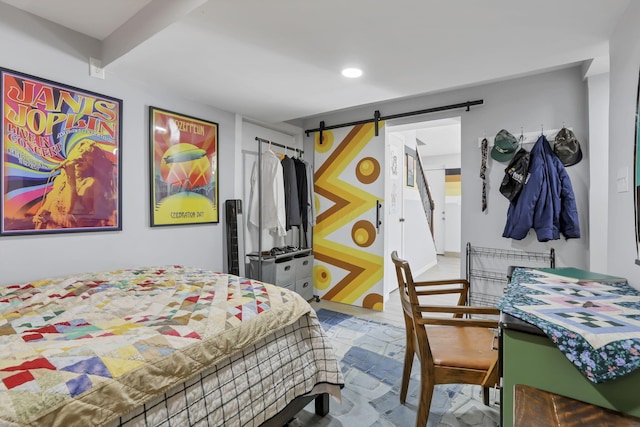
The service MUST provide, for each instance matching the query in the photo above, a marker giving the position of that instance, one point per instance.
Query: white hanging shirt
(273, 207)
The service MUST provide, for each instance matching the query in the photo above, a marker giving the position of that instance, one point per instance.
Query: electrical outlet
(95, 68)
(622, 182)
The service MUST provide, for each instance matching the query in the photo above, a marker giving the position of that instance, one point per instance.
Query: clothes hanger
(275, 153)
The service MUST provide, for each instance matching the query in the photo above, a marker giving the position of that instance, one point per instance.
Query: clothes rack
(300, 153)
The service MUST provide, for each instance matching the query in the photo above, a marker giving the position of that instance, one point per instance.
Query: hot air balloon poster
(184, 169)
(61, 157)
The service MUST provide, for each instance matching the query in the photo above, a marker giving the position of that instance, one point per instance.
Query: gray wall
(625, 65)
(550, 99)
(45, 50)
(36, 47)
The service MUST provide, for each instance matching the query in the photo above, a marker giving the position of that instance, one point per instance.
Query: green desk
(534, 360)
(529, 357)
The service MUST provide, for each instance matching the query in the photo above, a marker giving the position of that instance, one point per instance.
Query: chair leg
(426, 394)
(406, 372)
(485, 395)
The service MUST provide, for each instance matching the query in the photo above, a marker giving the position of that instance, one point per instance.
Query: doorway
(437, 143)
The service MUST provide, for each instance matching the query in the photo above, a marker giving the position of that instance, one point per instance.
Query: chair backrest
(405, 281)
(409, 294)
(409, 300)
(417, 314)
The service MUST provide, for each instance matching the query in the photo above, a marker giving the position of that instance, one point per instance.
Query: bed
(156, 346)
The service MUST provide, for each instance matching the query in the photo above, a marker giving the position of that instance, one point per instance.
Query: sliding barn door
(348, 237)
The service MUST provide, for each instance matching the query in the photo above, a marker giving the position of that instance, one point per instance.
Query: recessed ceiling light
(352, 73)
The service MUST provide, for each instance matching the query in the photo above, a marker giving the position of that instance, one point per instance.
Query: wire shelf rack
(489, 270)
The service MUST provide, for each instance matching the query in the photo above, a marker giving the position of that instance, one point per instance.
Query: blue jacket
(546, 203)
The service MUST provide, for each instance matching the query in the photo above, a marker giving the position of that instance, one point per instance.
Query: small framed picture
(411, 167)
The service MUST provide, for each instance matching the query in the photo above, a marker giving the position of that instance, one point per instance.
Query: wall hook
(521, 140)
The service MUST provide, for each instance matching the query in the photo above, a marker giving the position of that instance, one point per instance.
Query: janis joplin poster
(60, 157)
(184, 169)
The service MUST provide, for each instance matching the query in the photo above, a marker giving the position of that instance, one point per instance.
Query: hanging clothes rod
(377, 117)
(286, 147)
(262, 140)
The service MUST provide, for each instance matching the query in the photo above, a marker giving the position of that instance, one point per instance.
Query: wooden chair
(451, 350)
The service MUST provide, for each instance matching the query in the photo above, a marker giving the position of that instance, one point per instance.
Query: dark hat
(515, 175)
(567, 147)
(504, 146)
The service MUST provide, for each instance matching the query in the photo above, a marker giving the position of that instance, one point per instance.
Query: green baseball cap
(504, 146)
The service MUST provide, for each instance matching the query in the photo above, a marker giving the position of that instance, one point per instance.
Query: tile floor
(372, 363)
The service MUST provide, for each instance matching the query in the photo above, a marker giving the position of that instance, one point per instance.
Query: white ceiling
(438, 137)
(280, 60)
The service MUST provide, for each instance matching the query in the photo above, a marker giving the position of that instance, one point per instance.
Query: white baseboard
(424, 268)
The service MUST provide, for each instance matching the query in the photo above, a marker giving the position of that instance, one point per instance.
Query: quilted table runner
(595, 324)
(94, 346)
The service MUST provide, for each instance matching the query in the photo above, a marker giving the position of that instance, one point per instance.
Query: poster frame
(174, 132)
(61, 157)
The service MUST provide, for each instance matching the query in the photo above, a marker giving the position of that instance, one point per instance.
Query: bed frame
(297, 405)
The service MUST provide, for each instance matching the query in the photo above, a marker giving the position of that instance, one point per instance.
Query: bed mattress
(155, 344)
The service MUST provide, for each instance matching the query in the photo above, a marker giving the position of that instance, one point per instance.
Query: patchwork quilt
(95, 346)
(595, 324)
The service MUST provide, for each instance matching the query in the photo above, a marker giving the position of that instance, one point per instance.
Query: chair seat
(462, 347)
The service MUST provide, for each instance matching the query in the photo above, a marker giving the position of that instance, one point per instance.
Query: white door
(436, 180)
(394, 229)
